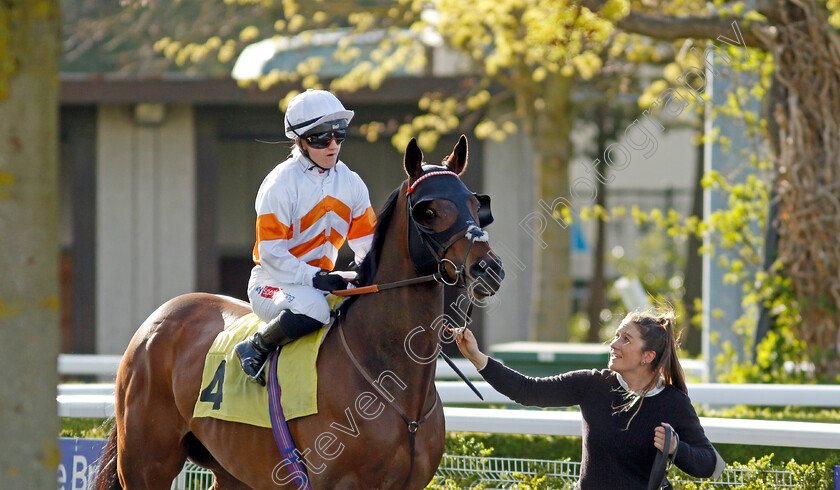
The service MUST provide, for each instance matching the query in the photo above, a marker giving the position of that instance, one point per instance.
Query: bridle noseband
(427, 248)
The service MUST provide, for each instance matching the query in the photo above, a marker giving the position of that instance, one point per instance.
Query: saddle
(226, 393)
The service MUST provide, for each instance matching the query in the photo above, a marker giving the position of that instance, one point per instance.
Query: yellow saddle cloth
(227, 394)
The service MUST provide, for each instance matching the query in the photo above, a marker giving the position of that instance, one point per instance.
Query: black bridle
(427, 248)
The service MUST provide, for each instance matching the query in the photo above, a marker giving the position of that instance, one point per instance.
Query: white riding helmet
(313, 108)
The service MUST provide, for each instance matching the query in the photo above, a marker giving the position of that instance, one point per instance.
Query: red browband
(423, 177)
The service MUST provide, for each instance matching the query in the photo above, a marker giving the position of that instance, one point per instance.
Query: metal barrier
(505, 473)
(468, 471)
(193, 477)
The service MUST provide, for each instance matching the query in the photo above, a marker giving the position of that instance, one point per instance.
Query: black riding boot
(287, 326)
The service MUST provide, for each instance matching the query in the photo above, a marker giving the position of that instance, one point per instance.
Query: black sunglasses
(322, 140)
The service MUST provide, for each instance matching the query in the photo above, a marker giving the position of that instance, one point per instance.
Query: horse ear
(457, 160)
(413, 159)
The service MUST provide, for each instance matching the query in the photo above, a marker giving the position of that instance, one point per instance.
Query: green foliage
(780, 455)
(658, 263)
(456, 484)
(780, 358)
(460, 445)
(763, 475)
(142, 37)
(834, 9)
(477, 445)
(85, 428)
(656, 254)
(520, 445)
(741, 452)
(524, 47)
(795, 414)
(569, 448)
(734, 236)
(814, 473)
(540, 481)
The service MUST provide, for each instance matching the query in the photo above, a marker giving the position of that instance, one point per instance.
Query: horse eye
(429, 213)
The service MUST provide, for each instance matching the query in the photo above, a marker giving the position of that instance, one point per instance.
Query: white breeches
(269, 297)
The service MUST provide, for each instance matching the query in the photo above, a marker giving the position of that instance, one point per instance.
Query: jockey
(306, 208)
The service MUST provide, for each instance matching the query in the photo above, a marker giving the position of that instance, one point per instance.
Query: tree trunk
(692, 335)
(551, 137)
(808, 165)
(29, 301)
(776, 96)
(597, 299)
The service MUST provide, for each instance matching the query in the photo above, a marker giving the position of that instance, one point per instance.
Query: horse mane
(367, 269)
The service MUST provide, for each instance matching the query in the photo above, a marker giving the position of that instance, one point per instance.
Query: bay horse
(359, 438)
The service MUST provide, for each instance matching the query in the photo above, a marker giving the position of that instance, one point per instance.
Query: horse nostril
(500, 271)
(488, 270)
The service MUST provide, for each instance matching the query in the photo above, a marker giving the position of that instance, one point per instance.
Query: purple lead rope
(282, 436)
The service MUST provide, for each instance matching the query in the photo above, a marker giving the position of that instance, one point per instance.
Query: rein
(375, 288)
(413, 425)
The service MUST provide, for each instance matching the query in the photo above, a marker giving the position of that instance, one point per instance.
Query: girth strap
(413, 425)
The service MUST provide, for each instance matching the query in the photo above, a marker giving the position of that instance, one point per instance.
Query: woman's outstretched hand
(465, 340)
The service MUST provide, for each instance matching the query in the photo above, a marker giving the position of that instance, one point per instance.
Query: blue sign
(78, 460)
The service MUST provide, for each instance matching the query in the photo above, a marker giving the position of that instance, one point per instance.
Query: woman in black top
(624, 408)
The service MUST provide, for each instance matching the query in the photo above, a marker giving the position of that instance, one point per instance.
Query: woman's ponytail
(670, 368)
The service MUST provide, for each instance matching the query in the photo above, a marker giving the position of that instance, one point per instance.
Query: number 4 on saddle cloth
(228, 394)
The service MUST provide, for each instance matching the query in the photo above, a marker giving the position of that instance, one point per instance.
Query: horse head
(446, 221)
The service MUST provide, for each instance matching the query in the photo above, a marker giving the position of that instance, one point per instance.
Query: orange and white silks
(304, 216)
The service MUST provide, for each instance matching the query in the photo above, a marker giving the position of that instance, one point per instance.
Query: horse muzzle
(486, 277)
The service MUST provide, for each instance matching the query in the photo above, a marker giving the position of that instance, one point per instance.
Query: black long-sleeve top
(615, 456)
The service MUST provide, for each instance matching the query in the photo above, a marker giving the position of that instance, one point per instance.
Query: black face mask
(427, 246)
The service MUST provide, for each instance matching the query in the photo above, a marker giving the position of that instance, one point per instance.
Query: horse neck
(379, 325)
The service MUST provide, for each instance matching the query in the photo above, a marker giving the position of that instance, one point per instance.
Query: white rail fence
(106, 365)
(718, 430)
(88, 364)
(558, 423)
(96, 400)
(714, 394)
(451, 392)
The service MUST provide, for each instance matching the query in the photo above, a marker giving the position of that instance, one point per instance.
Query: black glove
(325, 281)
